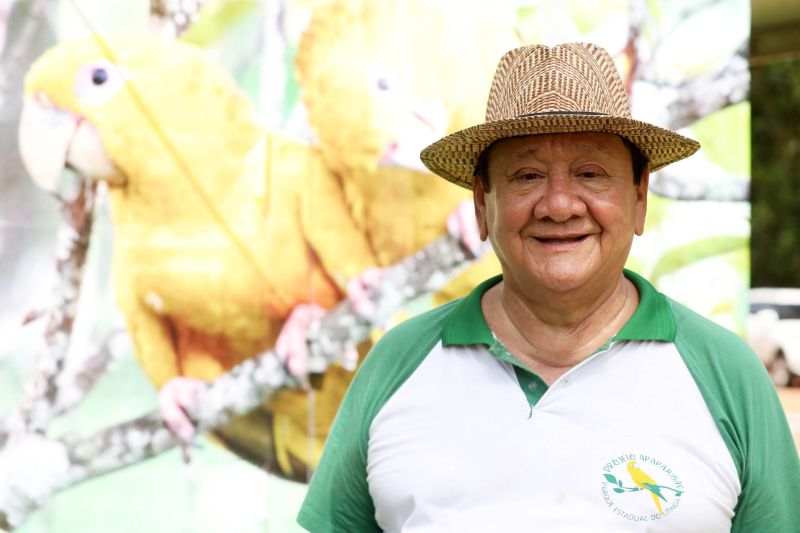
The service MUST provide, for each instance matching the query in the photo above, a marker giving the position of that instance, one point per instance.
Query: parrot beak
(426, 123)
(51, 139)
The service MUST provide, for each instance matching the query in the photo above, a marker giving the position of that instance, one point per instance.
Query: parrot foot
(361, 288)
(291, 346)
(462, 225)
(176, 399)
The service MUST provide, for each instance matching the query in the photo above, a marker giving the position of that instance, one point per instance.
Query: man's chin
(565, 276)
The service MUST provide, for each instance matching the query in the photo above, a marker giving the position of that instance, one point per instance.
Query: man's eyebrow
(525, 153)
(583, 147)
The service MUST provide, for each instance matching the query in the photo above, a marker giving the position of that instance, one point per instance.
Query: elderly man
(567, 394)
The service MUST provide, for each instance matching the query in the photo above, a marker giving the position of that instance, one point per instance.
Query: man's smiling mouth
(561, 240)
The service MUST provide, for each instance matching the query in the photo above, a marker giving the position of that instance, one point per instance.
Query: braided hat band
(569, 88)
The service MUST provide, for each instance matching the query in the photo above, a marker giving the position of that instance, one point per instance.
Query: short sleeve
(338, 497)
(745, 406)
(771, 467)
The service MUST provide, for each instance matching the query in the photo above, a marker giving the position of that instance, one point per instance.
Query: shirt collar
(652, 320)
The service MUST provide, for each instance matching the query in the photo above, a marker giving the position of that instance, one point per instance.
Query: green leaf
(291, 90)
(725, 136)
(526, 12)
(588, 16)
(695, 251)
(618, 491)
(611, 479)
(216, 18)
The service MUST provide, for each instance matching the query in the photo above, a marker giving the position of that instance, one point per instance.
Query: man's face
(562, 210)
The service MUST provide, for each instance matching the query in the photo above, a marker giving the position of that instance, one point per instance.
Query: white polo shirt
(671, 426)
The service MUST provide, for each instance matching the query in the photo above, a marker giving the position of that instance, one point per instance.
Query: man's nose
(560, 200)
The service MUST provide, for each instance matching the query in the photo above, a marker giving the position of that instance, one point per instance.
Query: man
(567, 394)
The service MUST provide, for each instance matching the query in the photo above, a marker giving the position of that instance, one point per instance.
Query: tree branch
(687, 103)
(174, 18)
(17, 40)
(38, 405)
(704, 95)
(64, 463)
(691, 187)
(75, 384)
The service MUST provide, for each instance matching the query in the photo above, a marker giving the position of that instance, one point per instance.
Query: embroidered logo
(641, 488)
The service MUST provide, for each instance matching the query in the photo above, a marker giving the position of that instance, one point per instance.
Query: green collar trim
(653, 319)
(466, 324)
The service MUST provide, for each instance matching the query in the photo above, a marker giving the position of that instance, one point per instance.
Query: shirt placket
(533, 386)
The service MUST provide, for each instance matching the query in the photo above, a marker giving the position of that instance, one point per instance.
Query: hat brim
(454, 157)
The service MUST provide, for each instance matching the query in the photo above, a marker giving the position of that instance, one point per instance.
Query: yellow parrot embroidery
(645, 482)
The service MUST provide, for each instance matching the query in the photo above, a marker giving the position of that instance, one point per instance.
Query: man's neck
(550, 339)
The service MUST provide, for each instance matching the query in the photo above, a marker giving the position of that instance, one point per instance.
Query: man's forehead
(525, 146)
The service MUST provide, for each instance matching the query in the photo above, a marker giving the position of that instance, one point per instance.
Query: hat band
(563, 113)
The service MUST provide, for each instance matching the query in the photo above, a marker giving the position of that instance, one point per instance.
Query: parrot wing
(654, 489)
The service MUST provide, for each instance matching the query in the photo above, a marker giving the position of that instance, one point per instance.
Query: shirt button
(532, 385)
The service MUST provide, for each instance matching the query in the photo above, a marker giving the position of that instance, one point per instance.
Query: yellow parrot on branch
(220, 228)
(381, 80)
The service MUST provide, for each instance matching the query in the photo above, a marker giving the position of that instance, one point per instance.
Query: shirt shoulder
(408, 342)
(393, 359)
(338, 497)
(744, 404)
(700, 335)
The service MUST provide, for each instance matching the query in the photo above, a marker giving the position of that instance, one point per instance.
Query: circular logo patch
(640, 487)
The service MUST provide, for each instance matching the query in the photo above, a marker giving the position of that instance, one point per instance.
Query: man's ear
(479, 198)
(641, 200)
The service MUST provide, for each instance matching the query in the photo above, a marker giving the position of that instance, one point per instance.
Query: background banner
(256, 157)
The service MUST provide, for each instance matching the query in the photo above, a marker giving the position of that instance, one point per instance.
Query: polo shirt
(673, 425)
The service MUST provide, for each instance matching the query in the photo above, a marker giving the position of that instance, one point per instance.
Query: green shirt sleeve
(746, 409)
(338, 498)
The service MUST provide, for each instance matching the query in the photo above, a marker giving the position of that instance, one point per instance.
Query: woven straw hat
(568, 88)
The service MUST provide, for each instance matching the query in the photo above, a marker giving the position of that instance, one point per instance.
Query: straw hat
(564, 89)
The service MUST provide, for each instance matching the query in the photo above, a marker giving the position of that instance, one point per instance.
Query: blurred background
(340, 95)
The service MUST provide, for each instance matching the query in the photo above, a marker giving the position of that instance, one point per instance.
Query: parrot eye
(99, 76)
(379, 80)
(96, 82)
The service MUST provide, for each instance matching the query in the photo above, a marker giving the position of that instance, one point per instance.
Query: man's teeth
(561, 240)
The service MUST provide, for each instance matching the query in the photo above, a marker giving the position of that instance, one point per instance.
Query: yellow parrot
(220, 228)
(381, 79)
(645, 482)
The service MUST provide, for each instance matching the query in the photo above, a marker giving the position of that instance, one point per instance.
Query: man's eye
(589, 174)
(528, 176)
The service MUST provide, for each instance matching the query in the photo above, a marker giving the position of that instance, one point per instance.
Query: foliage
(216, 18)
(731, 152)
(775, 244)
